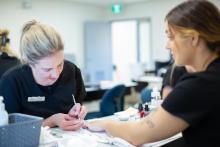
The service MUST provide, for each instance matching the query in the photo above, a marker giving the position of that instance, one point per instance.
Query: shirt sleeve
(10, 94)
(188, 101)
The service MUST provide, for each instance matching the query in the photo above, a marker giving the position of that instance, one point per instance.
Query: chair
(161, 65)
(112, 101)
(140, 85)
(145, 95)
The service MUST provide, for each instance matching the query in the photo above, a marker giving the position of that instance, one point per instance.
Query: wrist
(54, 119)
(104, 124)
(50, 121)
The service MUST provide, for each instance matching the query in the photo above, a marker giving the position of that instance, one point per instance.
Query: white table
(153, 81)
(94, 139)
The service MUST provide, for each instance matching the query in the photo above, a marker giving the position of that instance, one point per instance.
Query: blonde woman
(46, 85)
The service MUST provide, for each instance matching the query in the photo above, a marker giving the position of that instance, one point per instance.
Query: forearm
(159, 125)
(154, 127)
(135, 132)
(125, 130)
(49, 122)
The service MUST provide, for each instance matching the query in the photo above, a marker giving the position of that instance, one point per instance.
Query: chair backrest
(160, 64)
(113, 100)
(145, 95)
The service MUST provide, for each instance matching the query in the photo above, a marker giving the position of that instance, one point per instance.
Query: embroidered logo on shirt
(36, 99)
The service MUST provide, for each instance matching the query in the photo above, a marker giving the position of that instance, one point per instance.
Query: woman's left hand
(96, 125)
(78, 111)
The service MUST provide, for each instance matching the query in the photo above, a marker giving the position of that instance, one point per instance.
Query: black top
(171, 80)
(22, 94)
(7, 62)
(196, 99)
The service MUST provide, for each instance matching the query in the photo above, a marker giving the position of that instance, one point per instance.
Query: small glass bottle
(141, 110)
(3, 113)
(156, 99)
(155, 94)
(146, 110)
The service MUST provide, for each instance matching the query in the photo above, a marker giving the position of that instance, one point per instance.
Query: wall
(67, 17)
(156, 11)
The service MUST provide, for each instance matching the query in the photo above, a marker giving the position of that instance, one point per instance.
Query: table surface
(106, 142)
(94, 86)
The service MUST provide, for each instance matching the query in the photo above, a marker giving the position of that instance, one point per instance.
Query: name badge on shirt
(36, 99)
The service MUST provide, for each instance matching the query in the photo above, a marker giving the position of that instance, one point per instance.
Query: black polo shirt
(22, 94)
(7, 62)
(196, 99)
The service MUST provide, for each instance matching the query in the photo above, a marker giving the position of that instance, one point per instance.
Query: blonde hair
(37, 41)
(6, 47)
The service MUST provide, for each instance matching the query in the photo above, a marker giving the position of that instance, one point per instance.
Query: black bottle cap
(140, 107)
(146, 108)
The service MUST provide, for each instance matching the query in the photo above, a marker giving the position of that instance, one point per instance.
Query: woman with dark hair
(8, 58)
(192, 107)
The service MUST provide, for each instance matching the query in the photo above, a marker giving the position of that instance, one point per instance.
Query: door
(98, 52)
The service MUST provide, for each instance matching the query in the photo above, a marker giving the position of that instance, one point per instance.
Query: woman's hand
(66, 122)
(72, 121)
(96, 125)
(78, 111)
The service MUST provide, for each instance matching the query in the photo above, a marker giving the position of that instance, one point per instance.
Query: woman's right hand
(66, 122)
(78, 111)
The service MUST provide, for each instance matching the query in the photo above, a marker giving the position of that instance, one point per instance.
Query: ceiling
(107, 2)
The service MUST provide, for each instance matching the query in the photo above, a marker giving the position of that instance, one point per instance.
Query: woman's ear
(195, 39)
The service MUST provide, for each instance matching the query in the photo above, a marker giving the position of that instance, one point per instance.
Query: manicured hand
(96, 125)
(78, 111)
(66, 122)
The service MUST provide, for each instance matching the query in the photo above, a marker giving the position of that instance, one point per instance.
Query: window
(130, 47)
